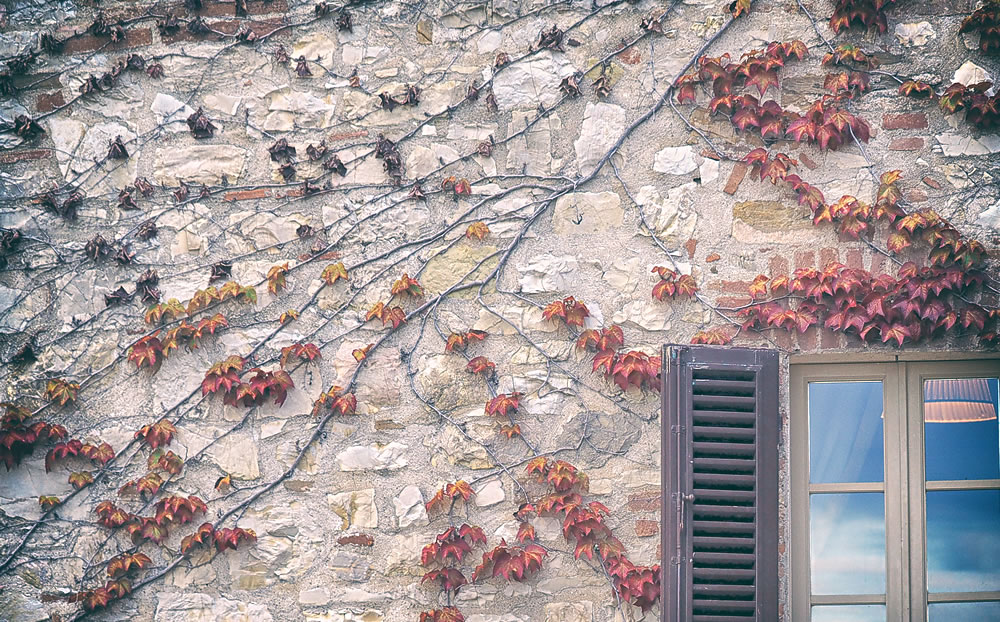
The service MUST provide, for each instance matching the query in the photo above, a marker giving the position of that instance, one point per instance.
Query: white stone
(409, 506)
(190, 607)
(580, 611)
(198, 164)
(226, 104)
(548, 273)
(990, 217)
(603, 125)
(915, 34)
(675, 160)
(530, 149)
(672, 218)
(372, 457)
(646, 314)
(356, 508)
(315, 47)
(957, 145)
(708, 171)
(291, 109)
(346, 615)
(171, 112)
(587, 212)
(489, 42)
(315, 596)
(971, 73)
(533, 81)
(490, 494)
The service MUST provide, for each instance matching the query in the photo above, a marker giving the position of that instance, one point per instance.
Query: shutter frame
(678, 456)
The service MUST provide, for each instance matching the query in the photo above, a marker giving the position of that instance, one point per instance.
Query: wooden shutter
(720, 484)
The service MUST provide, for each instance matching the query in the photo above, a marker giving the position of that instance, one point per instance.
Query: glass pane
(848, 613)
(963, 540)
(847, 540)
(966, 612)
(845, 432)
(961, 432)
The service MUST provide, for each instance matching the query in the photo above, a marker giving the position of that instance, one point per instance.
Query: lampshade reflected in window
(960, 400)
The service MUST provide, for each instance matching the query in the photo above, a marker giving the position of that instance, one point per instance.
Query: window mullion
(897, 543)
(917, 558)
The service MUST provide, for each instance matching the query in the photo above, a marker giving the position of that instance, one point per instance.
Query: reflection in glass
(847, 542)
(963, 540)
(848, 613)
(845, 432)
(961, 431)
(966, 612)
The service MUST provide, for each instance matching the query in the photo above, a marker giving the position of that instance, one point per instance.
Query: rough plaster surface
(372, 473)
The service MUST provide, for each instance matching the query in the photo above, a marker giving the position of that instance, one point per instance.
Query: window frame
(904, 485)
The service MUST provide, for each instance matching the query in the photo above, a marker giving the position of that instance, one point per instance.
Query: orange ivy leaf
(481, 365)
(361, 354)
(405, 286)
(47, 502)
(333, 272)
(477, 230)
(157, 435)
(61, 391)
(276, 278)
(81, 479)
(288, 316)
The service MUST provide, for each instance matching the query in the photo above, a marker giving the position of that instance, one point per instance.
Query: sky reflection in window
(845, 432)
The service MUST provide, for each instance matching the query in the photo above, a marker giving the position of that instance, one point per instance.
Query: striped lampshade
(960, 400)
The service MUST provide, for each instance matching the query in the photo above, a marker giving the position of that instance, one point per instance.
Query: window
(895, 484)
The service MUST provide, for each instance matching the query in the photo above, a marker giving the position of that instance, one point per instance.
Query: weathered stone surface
(489, 494)
(445, 270)
(587, 213)
(409, 506)
(916, 34)
(346, 615)
(547, 273)
(674, 217)
(569, 612)
(355, 508)
(184, 607)
(532, 81)
(198, 164)
(289, 109)
(372, 457)
(675, 160)
(603, 125)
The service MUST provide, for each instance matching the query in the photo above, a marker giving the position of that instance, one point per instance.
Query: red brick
(778, 266)
(646, 528)
(830, 340)
(909, 121)
(347, 135)
(911, 143)
(243, 195)
(690, 246)
(713, 257)
(734, 287)
(254, 7)
(808, 161)
(646, 500)
(916, 195)
(855, 259)
(828, 256)
(933, 183)
(229, 27)
(136, 37)
(805, 259)
(736, 178)
(807, 340)
(48, 102)
(10, 157)
(733, 301)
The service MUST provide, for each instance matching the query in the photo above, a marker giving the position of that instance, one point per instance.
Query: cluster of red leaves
(451, 492)
(583, 525)
(854, 80)
(101, 597)
(18, 438)
(224, 377)
(828, 124)
(301, 351)
(336, 401)
(481, 365)
(396, 315)
(225, 538)
(111, 516)
(149, 351)
(457, 342)
(98, 454)
(505, 405)
(713, 337)
(918, 304)
(862, 13)
(672, 284)
(448, 550)
(986, 21)
(626, 369)
(513, 563)
(446, 614)
(146, 486)
(981, 110)
(158, 434)
(166, 461)
(570, 310)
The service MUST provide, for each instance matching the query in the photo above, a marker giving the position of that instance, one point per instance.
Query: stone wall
(558, 226)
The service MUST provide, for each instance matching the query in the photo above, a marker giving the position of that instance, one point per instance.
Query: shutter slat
(720, 469)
